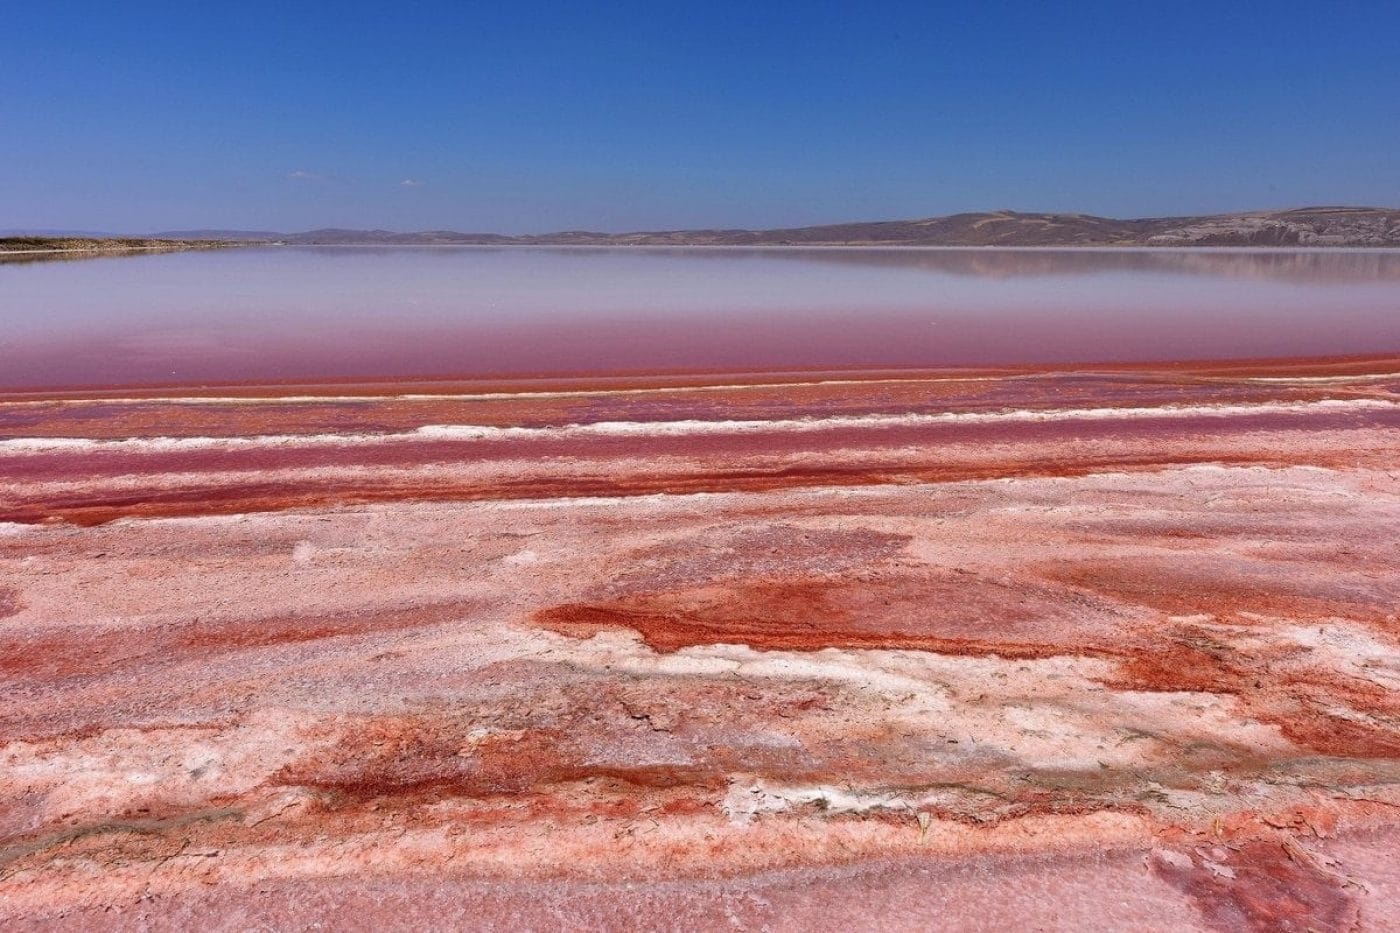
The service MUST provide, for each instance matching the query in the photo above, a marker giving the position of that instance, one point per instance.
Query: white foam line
(468, 432)
(476, 397)
(1323, 380)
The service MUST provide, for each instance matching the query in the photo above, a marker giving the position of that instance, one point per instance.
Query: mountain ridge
(1305, 226)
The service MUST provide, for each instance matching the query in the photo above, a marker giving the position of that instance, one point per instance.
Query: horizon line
(582, 231)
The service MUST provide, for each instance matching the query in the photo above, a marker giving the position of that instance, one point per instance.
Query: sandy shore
(1106, 649)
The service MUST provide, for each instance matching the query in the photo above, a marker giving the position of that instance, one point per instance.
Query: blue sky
(523, 117)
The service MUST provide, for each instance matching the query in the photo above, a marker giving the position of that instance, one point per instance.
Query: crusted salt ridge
(471, 432)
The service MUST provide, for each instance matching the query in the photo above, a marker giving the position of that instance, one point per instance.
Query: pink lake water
(309, 313)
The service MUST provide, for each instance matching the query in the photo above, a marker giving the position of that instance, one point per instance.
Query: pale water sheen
(312, 313)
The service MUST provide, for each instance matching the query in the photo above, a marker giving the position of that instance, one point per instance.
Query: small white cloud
(410, 183)
(299, 175)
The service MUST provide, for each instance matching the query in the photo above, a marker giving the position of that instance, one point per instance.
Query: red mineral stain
(1309, 706)
(1186, 585)
(939, 610)
(61, 653)
(953, 613)
(1262, 885)
(423, 758)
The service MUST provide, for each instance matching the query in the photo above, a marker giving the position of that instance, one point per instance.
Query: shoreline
(369, 388)
(1287, 249)
(95, 247)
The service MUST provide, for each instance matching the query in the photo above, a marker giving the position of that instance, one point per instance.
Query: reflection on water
(344, 312)
(1298, 265)
(1279, 264)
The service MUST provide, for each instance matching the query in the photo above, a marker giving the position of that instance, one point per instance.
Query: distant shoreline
(545, 384)
(39, 249)
(838, 247)
(17, 256)
(1301, 228)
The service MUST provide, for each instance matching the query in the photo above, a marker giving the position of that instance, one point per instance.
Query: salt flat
(937, 648)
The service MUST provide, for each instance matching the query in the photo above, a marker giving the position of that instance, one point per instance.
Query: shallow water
(358, 312)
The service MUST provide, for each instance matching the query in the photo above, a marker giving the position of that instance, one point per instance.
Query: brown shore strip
(18, 249)
(1359, 364)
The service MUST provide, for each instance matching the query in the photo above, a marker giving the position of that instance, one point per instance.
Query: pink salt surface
(1138, 673)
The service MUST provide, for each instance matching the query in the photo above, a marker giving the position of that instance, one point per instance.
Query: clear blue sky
(518, 117)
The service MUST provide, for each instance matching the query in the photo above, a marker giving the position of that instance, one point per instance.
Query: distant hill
(1311, 226)
(39, 232)
(217, 235)
(1307, 226)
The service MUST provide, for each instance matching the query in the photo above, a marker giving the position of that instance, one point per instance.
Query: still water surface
(344, 312)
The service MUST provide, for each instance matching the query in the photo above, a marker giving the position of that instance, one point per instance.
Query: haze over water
(308, 313)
